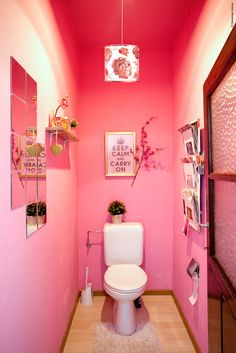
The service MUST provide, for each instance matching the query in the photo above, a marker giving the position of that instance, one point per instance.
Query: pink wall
(38, 275)
(126, 107)
(196, 50)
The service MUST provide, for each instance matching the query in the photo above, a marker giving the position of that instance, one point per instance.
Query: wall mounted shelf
(62, 133)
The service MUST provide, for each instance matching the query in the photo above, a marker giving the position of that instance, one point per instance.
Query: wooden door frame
(223, 63)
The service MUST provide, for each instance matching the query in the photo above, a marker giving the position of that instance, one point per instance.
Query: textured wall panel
(224, 124)
(225, 227)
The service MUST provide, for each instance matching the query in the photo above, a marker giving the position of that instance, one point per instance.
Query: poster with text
(119, 149)
(34, 162)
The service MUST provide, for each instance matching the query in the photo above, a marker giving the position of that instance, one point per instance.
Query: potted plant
(36, 213)
(31, 213)
(116, 209)
(42, 209)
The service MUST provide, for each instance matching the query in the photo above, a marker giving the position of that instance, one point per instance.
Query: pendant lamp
(122, 60)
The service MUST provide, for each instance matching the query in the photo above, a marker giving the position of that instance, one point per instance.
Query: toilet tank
(123, 243)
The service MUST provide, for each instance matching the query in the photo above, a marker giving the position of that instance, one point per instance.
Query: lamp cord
(122, 21)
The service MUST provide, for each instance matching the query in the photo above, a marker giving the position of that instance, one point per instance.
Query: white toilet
(124, 280)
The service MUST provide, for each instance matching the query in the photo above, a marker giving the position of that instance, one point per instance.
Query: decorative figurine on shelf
(63, 104)
(62, 121)
(73, 123)
(58, 121)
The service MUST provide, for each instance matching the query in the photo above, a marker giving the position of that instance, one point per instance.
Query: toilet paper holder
(193, 268)
(88, 242)
(193, 272)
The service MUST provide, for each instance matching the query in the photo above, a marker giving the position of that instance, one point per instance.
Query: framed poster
(118, 153)
(34, 162)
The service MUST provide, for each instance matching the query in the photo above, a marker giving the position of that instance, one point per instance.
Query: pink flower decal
(63, 103)
(16, 155)
(144, 154)
(34, 102)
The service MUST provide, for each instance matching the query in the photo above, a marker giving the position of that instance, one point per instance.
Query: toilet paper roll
(194, 297)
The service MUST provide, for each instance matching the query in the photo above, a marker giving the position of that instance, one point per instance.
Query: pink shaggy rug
(144, 340)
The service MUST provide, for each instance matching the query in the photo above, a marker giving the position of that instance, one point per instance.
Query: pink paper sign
(119, 158)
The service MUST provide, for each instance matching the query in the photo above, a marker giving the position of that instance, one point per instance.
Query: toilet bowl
(124, 283)
(124, 280)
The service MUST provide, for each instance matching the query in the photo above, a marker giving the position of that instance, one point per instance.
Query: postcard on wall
(118, 157)
(191, 137)
(190, 174)
(191, 207)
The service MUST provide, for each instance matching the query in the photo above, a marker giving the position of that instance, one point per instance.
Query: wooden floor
(159, 309)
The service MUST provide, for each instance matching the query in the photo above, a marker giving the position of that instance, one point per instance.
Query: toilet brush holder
(87, 295)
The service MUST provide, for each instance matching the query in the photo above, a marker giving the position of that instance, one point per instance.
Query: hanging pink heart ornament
(56, 149)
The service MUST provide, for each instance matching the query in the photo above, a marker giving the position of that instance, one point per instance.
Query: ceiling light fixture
(122, 60)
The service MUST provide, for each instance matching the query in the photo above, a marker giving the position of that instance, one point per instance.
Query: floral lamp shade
(122, 63)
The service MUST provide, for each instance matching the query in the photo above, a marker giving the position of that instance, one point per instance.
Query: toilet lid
(125, 277)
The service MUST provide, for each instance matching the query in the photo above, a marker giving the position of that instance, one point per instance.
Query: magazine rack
(193, 168)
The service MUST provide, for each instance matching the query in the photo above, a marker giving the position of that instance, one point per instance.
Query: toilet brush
(86, 277)
(86, 295)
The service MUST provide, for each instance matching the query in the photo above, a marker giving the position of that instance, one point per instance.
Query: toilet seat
(125, 278)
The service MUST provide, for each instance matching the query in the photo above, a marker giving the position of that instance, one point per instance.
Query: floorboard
(159, 309)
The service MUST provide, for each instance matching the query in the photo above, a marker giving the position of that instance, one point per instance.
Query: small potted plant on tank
(117, 210)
